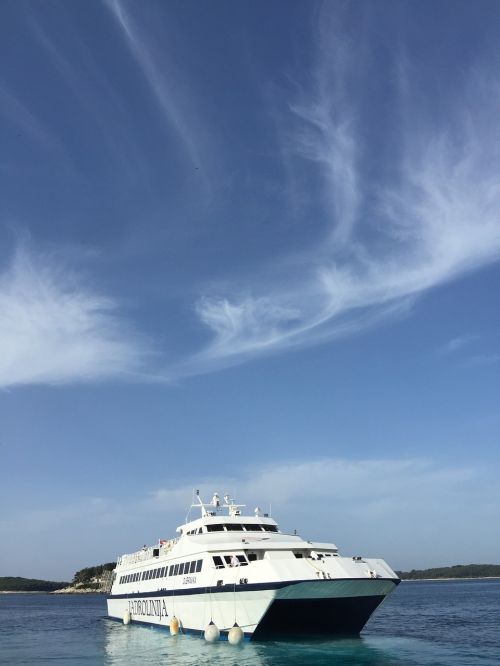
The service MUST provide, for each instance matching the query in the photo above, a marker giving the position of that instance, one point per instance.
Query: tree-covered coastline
(457, 571)
(18, 584)
(88, 580)
(91, 578)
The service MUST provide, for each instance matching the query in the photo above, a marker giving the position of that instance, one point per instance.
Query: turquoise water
(426, 624)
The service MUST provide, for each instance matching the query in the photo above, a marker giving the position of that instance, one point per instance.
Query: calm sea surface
(425, 623)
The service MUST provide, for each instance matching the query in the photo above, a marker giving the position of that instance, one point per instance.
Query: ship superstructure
(226, 568)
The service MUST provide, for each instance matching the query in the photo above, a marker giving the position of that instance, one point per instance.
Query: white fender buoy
(235, 635)
(126, 617)
(174, 626)
(212, 633)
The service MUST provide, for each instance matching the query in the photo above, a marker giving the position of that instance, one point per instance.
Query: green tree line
(18, 584)
(457, 571)
(86, 576)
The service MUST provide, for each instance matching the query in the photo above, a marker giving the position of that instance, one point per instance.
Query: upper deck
(223, 524)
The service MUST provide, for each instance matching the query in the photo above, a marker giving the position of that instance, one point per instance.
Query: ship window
(176, 569)
(200, 530)
(242, 560)
(252, 557)
(219, 564)
(218, 527)
(171, 571)
(270, 528)
(198, 565)
(228, 559)
(121, 579)
(150, 572)
(234, 527)
(252, 528)
(164, 572)
(298, 555)
(192, 567)
(181, 568)
(156, 552)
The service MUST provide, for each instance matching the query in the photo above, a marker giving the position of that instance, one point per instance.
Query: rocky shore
(76, 589)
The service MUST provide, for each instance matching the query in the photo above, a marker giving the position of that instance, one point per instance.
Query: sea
(424, 623)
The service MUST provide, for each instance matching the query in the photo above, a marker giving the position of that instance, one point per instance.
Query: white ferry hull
(326, 607)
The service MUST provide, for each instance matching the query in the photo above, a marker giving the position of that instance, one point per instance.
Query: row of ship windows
(240, 527)
(163, 572)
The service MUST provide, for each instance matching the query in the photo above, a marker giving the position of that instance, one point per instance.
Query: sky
(252, 248)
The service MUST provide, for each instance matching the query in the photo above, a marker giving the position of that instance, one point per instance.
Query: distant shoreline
(24, 592)
(437, 580)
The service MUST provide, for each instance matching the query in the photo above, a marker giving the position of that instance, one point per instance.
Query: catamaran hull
(263, 611)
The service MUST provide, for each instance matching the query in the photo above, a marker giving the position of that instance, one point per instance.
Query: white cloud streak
(438, 221)
(164, 85)
(55, 330)
(21, 117)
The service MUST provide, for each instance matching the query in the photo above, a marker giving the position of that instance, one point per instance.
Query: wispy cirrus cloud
(389, 240)
(19, 115)
(457, 343)
(54, 329)
(167, 88)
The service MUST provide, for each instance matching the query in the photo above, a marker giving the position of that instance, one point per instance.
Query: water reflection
(135, 644)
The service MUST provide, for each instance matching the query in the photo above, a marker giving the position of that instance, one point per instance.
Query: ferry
(236, 576)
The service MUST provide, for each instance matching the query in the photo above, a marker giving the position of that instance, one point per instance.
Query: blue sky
(249, 247)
